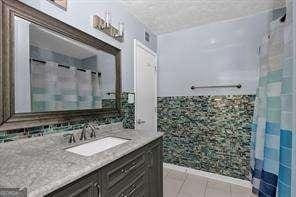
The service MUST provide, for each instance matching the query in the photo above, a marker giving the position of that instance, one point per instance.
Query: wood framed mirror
(52, 72)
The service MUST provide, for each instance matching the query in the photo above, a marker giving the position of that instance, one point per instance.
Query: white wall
(213, 54)
(79, 15)
(22, 66)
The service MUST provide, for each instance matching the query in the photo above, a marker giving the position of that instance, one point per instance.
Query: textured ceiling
(162, 16)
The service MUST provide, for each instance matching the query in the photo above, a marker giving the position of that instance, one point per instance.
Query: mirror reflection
(55, 73)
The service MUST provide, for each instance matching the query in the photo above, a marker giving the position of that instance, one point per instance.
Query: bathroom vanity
(137, 174)
(46, 167)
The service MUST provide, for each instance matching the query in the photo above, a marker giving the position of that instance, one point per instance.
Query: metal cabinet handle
(98, 189)
(150, 162)
(152, 159)
(130, 193)
(131, 168)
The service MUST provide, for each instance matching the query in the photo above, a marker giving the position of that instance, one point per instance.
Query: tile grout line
(168, 171)
(186, 176)
(206, 188)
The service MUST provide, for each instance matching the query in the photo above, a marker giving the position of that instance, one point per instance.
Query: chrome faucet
(84, 131)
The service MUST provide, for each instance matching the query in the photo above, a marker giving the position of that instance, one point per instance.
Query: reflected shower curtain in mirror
(43, 86)
(66, 97)
(84, 88)
(59, 88)
(96, 90)
(273, 132)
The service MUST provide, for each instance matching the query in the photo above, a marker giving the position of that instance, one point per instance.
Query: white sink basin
(97, 146)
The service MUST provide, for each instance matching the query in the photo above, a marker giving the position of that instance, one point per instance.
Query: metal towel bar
(222, 86)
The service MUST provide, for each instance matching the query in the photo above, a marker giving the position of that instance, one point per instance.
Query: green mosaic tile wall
(127, 119)
(209, 133)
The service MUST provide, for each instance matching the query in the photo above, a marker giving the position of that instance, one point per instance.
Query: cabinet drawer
(134, 188)
(123, 168)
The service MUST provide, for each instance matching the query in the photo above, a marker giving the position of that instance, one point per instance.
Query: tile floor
(181, 184)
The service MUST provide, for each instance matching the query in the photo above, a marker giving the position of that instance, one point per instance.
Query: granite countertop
(42, 164)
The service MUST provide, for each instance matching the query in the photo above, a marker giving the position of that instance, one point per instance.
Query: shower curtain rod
(238, 86)
(61, 65)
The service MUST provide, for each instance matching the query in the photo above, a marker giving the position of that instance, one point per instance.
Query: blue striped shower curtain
(273, 133)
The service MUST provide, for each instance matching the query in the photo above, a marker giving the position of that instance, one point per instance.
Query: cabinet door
(132, 188)
(85, 187)
(127, 176)
(155, 169)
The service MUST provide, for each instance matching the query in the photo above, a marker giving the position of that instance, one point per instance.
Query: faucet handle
(93, 127)
(93, 134)
(71, 139)
(83, 134)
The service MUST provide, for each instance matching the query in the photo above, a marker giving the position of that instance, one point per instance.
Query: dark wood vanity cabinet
(125, 176)
(155, 169)
(138, 174)
(88, 186)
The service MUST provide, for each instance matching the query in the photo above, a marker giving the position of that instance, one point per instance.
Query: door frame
(141, 45)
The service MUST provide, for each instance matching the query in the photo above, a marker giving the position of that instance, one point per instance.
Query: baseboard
(209, 175)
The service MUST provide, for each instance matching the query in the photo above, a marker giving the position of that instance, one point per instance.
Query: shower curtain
(58, 88)
(66, 97)
(97, 90)
(84, 88)
(273, 133)
(43, 86)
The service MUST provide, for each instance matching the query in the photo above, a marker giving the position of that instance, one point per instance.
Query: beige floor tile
(216, 193)
(165, 172)
(240, 189)
(193, 188)
(181, 184)
(242, 194)
(185, 195)
(214, 184)
(177, 175)
(188, 195)
(197, 179)
(171, 187)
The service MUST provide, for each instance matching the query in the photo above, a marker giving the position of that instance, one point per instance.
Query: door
(145, 61)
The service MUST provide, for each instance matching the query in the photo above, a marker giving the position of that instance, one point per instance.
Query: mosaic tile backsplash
(209, 133)
(127, 119)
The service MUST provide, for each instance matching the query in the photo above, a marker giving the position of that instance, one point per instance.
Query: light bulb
(120, 29)
(107, 18)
